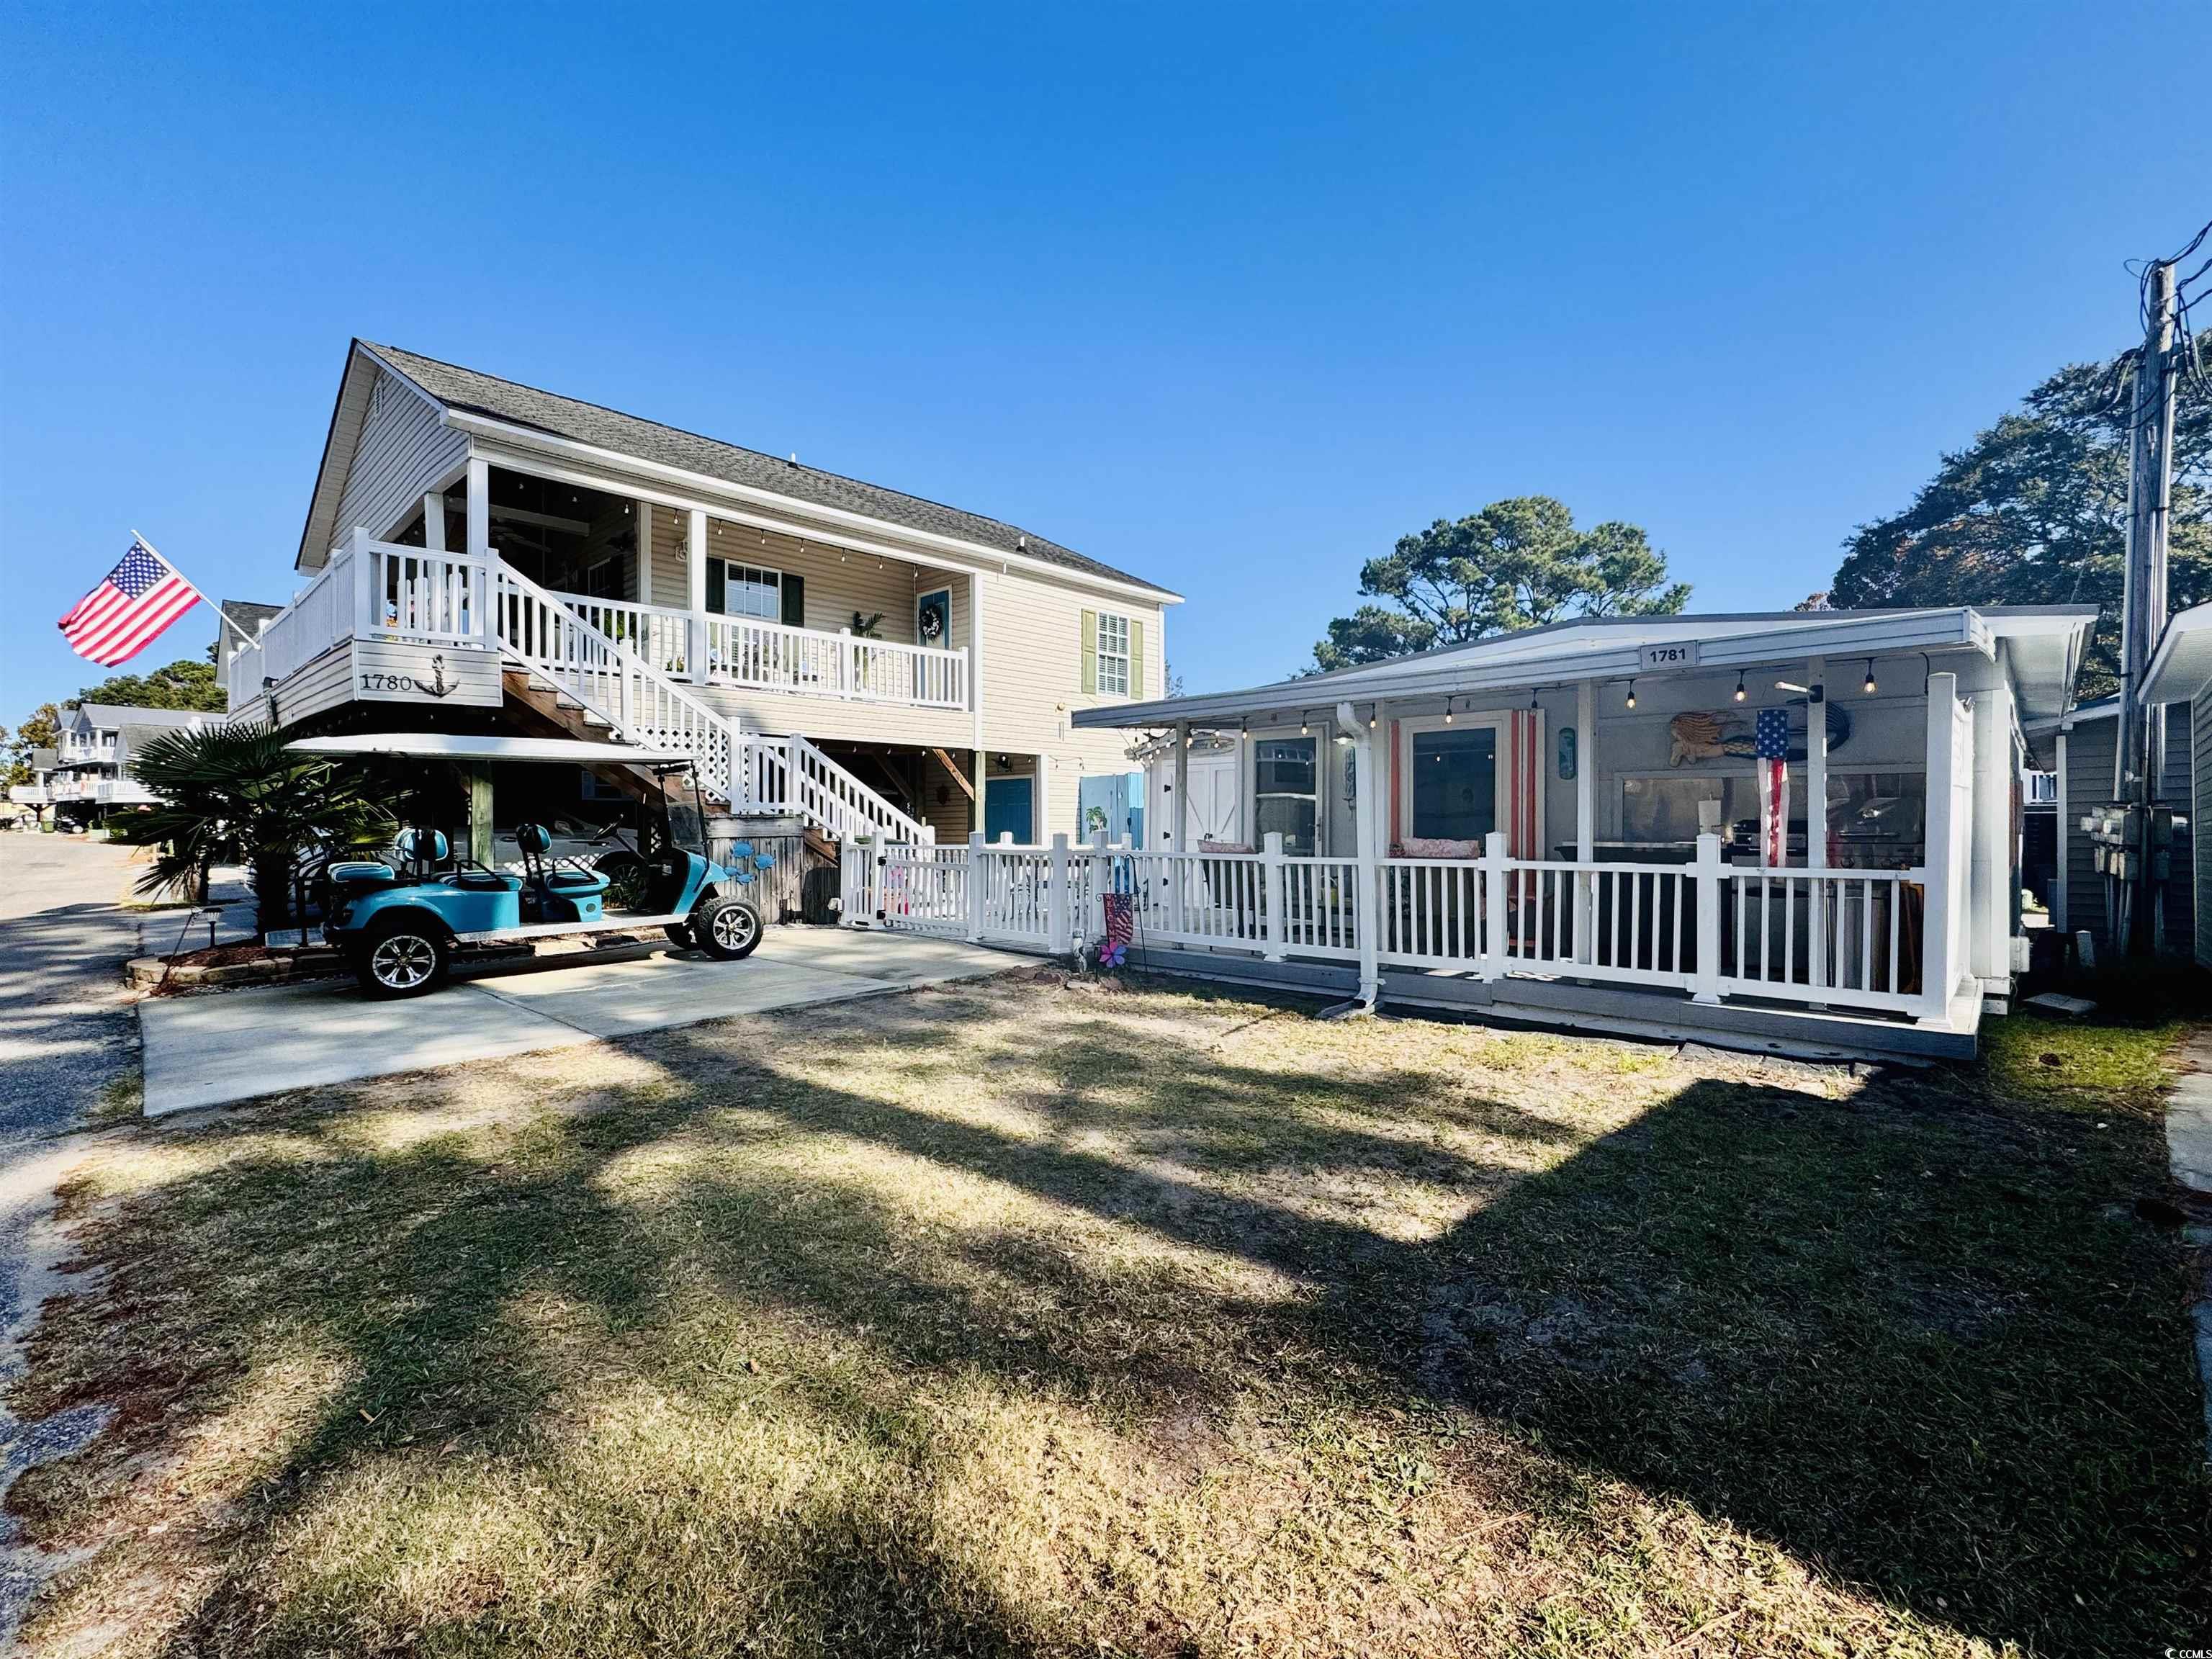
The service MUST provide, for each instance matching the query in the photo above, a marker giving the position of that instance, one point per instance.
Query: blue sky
(1229, 296)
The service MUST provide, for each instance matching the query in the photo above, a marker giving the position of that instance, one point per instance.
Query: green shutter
(1136, 657)
(1091, 652)
(794, 600)
(714, 587)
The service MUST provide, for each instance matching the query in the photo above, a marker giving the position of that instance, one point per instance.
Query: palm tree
(234, 794)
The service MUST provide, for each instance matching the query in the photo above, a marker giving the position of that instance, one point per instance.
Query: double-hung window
(1113, 654)
(1285, 791)
(743, 590)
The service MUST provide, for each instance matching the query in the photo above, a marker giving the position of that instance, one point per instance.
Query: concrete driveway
(219, 1047)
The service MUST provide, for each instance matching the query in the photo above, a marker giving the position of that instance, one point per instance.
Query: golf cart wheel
(726, 929)
(680, 933)
(403, 959)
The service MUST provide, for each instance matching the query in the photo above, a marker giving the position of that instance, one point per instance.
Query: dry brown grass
(1014, 1317)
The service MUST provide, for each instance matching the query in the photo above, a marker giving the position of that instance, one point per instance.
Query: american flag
(133, 603)
(1771, 745)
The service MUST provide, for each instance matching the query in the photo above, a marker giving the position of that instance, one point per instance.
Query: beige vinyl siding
(1033, 667)
(404, 453)
(837, 582)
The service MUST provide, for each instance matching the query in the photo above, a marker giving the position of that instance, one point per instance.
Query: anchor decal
(438, 686)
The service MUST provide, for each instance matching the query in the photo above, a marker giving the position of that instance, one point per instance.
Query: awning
(440, 745)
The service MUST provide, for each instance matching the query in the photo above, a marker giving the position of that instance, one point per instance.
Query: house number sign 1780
(1682, 654)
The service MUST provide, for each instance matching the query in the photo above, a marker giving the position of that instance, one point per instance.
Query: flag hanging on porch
(128, 610)
(1772, 746)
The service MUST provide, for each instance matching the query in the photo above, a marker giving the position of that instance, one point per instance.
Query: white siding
(402, 453)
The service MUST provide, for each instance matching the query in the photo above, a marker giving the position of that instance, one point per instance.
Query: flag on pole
(1772, 746)
(132, 604)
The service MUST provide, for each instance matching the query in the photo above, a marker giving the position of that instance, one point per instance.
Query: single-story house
(1567, 823)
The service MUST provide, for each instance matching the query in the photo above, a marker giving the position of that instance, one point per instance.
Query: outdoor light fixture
(1301, 725)
(1792, 685)
(1447, 711)
(1532, 696)
(1740, 694)
(1371, 720)
(1632, 694)
(1869, 679)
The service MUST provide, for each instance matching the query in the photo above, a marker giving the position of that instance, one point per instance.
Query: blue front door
(1006, 808)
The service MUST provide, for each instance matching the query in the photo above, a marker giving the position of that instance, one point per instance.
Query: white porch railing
(746, 651)
(382, 590)
(1845, 939)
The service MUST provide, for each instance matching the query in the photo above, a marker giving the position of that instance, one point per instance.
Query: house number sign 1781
(1682, 653)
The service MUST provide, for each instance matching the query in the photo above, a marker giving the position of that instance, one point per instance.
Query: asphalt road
(66, 1030)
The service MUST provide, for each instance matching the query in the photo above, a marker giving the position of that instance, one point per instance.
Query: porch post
(367, 614)
(694, 571)
(1368, 919)
(1938, 970)
(1271, 898)
(1585, 813)
(643, 509)
(434, 523)
(1496, 917)
(489, 626)
(1057, 906)
(2061, 917)
(1995, 879)
(1040, 798)
(977, 862)
(1706, 978)
(1816, 815)
(1179, 813)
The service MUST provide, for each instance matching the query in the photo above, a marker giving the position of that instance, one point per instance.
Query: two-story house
(483, 555)
(91, 770)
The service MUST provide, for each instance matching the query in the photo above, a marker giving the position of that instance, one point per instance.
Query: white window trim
(1100, 655)
(1498, 721)
(730, 564)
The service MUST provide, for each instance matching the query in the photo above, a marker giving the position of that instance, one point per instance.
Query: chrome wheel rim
(733, 927)
(402, 962)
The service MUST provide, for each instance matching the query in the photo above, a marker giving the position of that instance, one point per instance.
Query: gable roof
(246, 615)
(469, 391)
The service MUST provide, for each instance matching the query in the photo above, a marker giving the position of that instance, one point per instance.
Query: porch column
(1938, 949)
(1367, 923)
(434, 523)
(1040, 800)
(643, 510)
(1816, 811)
(479, 508)
(1179, 813)
(1585, 812)
(1994, 878)
(694, 570)
(2061, 917)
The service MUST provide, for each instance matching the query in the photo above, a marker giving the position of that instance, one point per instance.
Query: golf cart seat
(534, 841)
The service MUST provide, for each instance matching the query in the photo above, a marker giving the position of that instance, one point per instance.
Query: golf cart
(399, 921)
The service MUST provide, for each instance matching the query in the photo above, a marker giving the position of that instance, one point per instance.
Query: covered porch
(751, 614)
(1570, 818)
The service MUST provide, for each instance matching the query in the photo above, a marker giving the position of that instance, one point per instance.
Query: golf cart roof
(442, 746)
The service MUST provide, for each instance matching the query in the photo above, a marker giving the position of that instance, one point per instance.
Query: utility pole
(2142, 754)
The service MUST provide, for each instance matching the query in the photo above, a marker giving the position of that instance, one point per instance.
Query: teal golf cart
(400, 920)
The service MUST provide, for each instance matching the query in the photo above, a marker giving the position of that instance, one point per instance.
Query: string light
(1532, 696)
(1632, 694)
(1448, 720)
(1301, 725)
(1870, 679)
(1740, 694)
(1371, 720)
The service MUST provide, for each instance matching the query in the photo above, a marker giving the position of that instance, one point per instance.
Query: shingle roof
(246, 617)
(648, 440)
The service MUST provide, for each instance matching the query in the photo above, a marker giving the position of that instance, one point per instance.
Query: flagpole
(172, 569)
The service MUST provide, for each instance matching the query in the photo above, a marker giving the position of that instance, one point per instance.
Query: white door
(1214, 810)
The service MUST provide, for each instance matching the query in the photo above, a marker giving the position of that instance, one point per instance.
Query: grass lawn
(1019, 1318)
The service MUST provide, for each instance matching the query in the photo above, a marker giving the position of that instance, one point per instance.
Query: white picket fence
(1846, 939)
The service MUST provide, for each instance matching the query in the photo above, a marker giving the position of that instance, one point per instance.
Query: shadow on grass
(1917, 1337)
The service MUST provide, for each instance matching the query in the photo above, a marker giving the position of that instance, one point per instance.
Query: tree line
(2033, 512)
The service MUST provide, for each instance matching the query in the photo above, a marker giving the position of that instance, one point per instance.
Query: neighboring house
(37, 794)
(480, 555)
(1548, 800)
(2180, 679)
(2082, 747)
(238, 621)
(91, 772)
